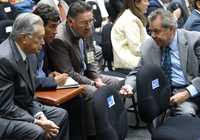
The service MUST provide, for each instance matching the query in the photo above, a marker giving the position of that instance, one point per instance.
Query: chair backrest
(5, 29)
(106, 42)
(96, 13)
(8, 11)
(110, 114)
(153, 92)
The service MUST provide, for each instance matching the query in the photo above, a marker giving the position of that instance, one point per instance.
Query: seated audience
(21, 116)
(128, 32)
(45, 78)
(193, 21)
(177, 52)
(72, 52)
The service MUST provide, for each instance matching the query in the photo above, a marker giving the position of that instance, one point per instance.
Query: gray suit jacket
(17, 86)
(64, 55)
(189, 47)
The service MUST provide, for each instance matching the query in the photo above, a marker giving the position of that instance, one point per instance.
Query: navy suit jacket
(193, 22)
(153, 5)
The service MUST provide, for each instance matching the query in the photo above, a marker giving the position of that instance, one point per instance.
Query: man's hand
(50, 127)
(179, 97)
(98, 83)
(61, 78)
(126, 90)
(54, 74)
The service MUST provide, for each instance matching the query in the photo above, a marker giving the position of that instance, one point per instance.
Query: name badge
(7, 9)
(110, 101)
(90, 57)
(8, 29)
(155, 84)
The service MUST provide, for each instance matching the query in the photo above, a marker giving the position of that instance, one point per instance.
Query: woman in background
(128, 33)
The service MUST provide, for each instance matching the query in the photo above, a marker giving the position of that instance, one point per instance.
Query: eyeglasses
(87, 23)
(38, 38)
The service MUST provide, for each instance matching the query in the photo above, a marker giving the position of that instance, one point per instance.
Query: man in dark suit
(21, 117)
(178, 53)
(44, 78)
(193, 21)
(72, 52)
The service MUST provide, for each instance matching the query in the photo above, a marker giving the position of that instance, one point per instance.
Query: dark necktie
(166, 65)
(81, 47)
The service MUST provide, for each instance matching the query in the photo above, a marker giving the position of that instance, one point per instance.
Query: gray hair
(168, 19)
(25, 24)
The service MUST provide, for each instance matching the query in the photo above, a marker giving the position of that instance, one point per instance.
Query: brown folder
(57, 97)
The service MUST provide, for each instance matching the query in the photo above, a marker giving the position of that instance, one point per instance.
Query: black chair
(96, 13)
(110, 115)
(5, 29)
(153, 93)
(107, 45)
(8, 11)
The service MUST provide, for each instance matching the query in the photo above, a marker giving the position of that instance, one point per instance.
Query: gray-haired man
(20, 116)
(183, 55)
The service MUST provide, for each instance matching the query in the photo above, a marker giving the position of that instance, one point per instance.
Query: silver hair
(25, 23)
(168, 19)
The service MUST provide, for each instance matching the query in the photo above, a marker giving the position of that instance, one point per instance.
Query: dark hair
(78, 7)
(194, 4)
(168, 20)
(131, 5)
(47, 13)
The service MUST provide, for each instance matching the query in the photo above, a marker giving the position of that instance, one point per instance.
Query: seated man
(177, 52)
(44, 78)
(72, 52)
(21, 117)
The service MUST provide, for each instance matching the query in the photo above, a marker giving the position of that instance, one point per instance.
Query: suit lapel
(183, 50)
(21, 65)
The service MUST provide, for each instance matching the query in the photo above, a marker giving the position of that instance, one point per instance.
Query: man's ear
(70, 21)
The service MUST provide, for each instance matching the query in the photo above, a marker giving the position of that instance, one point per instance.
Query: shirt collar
(23, 55)
(173, 44)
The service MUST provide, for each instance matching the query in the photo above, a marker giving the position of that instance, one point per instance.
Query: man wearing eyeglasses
(21, 117)
(72, 52)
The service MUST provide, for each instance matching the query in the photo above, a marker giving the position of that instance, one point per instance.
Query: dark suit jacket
(193, 22)
(64, 55)
(153, 5)
(17, 86)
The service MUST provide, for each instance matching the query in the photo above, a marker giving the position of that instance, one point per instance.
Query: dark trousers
(21, 130)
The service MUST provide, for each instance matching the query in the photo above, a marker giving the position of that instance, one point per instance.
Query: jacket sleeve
(59, 59)
(8, 109)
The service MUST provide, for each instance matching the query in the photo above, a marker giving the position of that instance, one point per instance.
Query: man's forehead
(85, 15)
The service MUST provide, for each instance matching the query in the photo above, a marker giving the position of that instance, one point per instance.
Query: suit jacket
(153, 5)
(17, 86)
(64, 55)
(189, 51)
(193, 21)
